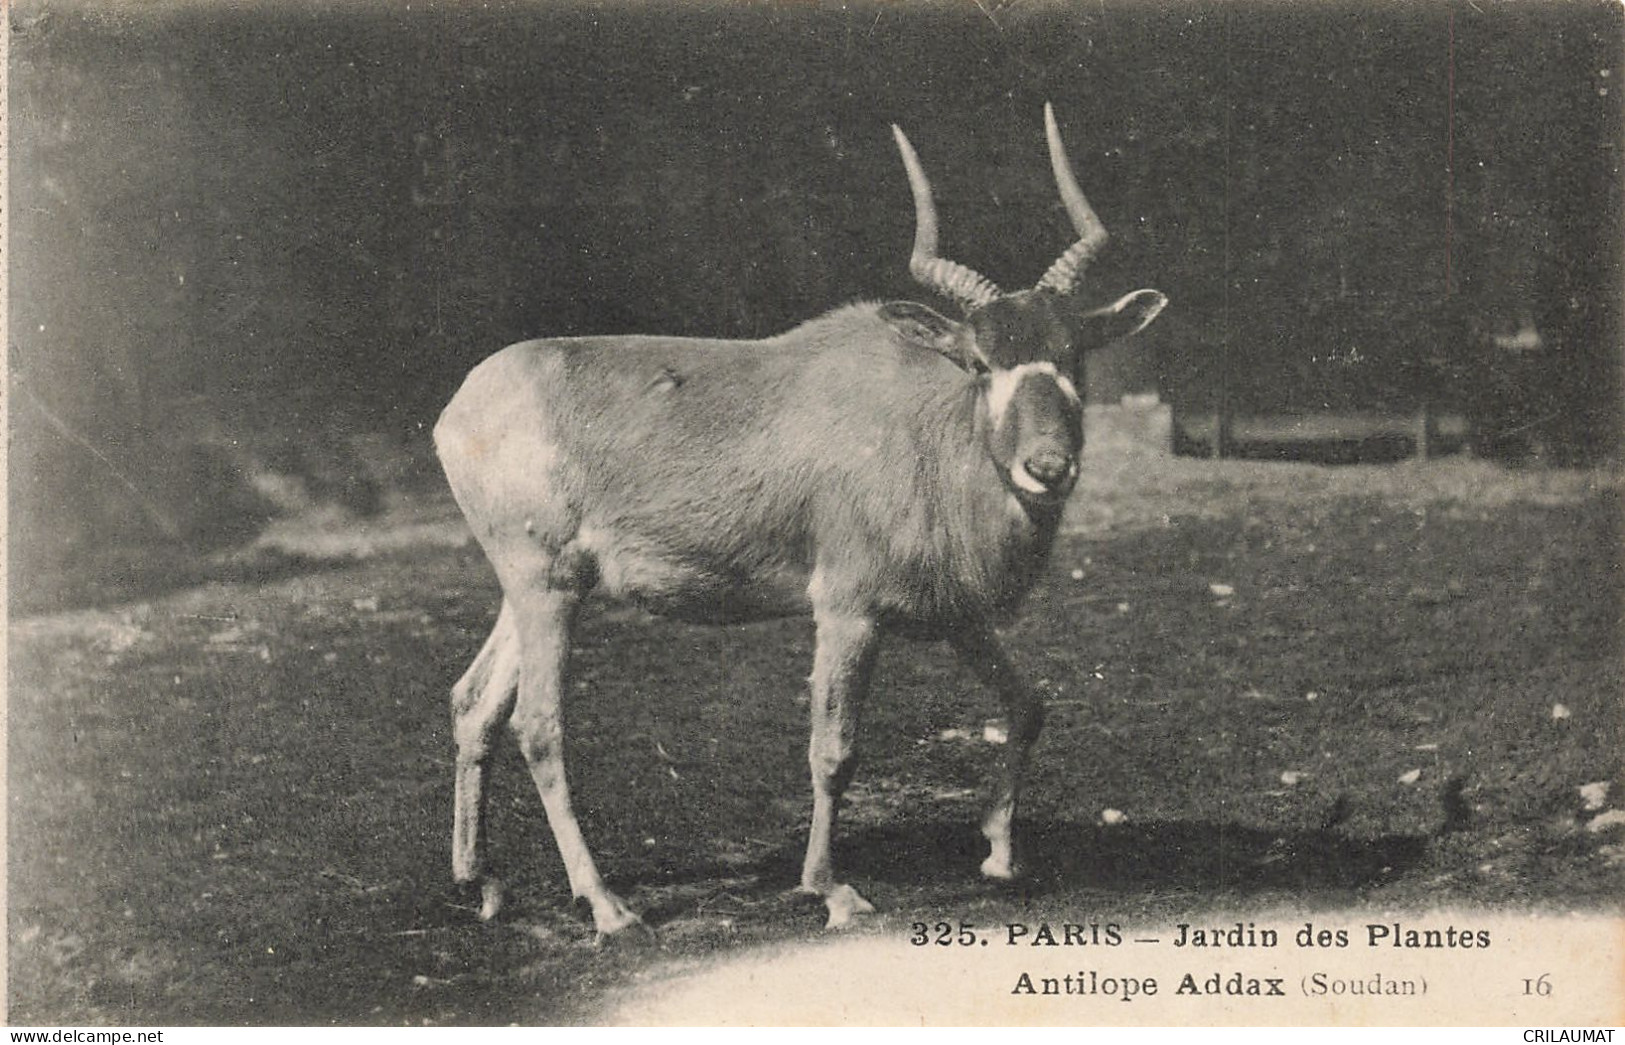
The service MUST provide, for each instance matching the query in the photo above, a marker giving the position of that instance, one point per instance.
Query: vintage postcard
(795, 513)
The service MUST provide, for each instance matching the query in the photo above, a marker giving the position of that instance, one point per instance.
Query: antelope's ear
(915, 324)
(1127, 315)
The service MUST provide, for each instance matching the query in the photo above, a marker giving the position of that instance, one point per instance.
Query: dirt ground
(1300, 687)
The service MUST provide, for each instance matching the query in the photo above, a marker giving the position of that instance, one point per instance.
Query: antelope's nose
(1050, 467)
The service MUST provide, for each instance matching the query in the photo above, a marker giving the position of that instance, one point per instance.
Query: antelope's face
(1014, 340)
(1034, 431)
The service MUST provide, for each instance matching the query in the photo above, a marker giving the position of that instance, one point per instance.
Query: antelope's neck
(997, 542)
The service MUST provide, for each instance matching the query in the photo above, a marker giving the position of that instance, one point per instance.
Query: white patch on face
(1066, 386)
(1021, 478)
(999, 390)
(1002, 388)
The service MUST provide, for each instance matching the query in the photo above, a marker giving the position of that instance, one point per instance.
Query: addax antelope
(883, 468)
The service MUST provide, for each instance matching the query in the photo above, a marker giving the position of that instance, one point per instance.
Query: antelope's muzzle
(1047, 475)
(1051, 468)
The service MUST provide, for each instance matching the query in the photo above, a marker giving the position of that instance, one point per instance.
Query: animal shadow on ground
(1170, 857)
(921, 865)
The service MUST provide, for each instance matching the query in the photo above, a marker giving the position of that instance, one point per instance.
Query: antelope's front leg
(981, 651)
(840, 679)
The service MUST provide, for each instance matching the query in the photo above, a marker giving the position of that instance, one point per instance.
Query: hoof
(613, 918)
(844, 904)
(491, 896)
(490, 899)
(1000, 867)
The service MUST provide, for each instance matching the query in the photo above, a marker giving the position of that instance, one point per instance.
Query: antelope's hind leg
(481, 702)
(544, 618)
(841, 667)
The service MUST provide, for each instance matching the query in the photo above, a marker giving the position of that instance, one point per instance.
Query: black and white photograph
(808, 513)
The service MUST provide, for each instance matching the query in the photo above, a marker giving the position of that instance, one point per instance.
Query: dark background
(282, 226)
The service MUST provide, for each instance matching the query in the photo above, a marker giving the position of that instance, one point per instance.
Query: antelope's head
(1024, 345)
